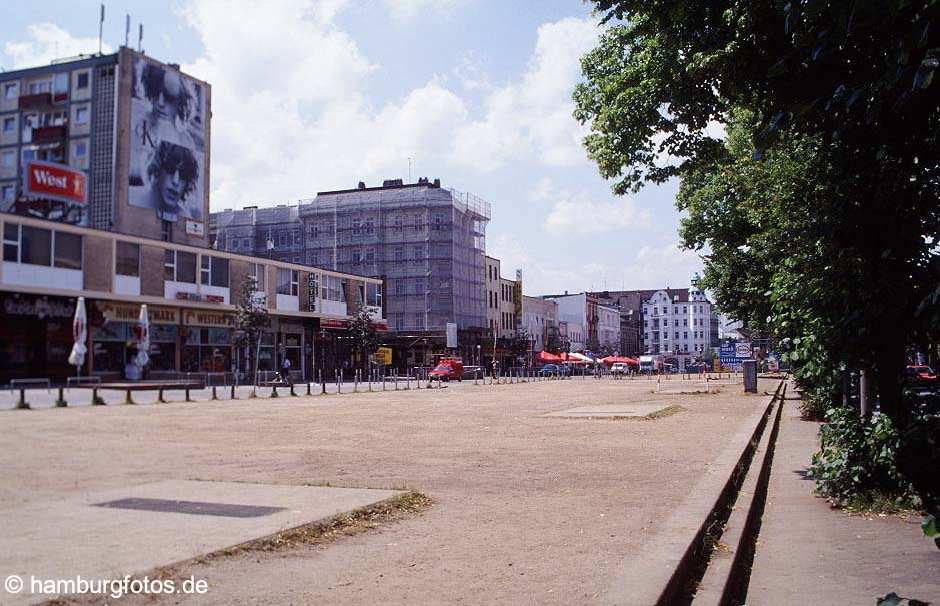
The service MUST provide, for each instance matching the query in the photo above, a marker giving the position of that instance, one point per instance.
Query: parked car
(554, 369)
(619, 368)
(921, 376)
(446, 370)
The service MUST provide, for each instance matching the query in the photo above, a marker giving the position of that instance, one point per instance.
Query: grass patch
(351, 523)
(665, 412)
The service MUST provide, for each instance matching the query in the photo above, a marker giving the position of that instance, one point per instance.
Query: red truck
(447, 369)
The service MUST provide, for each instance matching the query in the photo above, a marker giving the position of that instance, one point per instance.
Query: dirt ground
(527, 509)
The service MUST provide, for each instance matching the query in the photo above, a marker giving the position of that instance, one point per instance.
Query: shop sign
(195, 228)
(325, 323)
(382, 356)
(193, 296)
(38, 307)
(198, 317)
(129, 312)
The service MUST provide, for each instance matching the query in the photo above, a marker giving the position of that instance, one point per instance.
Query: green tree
(361, 330)
(251, 319)
(820, 208)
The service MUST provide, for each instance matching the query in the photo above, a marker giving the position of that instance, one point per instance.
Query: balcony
(49, 134)
(37, 101)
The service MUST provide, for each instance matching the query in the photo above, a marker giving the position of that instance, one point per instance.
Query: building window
(128, 259)
(256, 271)
(11, 90)
(11, 242)
(287, 282)
(81, 82)
(214, 271)
(67, 250)
(179, 266)
(81, 115)
(246, 243)
(9, 125)
(6, 193)
(61, 83)
(374, 294)
(42, 86)
(35, 246)
(333, 288)
(81, 148)
(166, 231)
(169, 265)
(9, 159)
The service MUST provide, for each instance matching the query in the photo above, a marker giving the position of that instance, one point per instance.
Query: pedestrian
(285, 370)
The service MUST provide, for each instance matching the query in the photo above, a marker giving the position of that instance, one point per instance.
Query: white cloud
(579, 215)
(48, 41)
(577, 270)
(533, 117)
(511, 253)
(407, 10)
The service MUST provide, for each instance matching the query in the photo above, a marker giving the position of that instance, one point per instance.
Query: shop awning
(547, 357)
(611, 360)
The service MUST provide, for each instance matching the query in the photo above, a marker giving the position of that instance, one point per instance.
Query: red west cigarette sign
(48, 180)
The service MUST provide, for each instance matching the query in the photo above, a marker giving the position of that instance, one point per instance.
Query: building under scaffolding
(427, 242)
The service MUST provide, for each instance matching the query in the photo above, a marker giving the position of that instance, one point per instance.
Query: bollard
(233, 390)
(61, 401)
(356, 381)
(274, 390)
(23, 404)
(395, 379)
(128, 400)
(95, 400)
(160, 396)
(383, 381)
(214, 397)
(322, 382)
(187, 395)
(408, 380)
(308, 389)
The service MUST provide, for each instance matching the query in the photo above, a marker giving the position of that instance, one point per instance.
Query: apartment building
(191, 296)
(117, 142)
(273, 232)
(425, 241)
(540, 321)
(679, 326)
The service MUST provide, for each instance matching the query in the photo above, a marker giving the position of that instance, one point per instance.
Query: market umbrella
(143, 338)
(79, 336)
(547, 357)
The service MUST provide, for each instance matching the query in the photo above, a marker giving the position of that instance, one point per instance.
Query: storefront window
(207, 350)
(163, 340)
(110, 345)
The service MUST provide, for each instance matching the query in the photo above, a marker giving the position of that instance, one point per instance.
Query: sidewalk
(808, 552)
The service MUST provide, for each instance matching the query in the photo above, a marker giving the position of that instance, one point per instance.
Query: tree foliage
(361, 330)
(806, 138)
(251, 319)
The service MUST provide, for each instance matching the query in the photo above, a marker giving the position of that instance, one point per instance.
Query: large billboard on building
(169, 134)
(53, 191)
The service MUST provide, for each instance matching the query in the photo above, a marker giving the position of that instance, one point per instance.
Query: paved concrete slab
(807, 551)
(62, 538)
(609, 411)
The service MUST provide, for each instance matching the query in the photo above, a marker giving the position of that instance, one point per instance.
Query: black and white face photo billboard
(169, 122)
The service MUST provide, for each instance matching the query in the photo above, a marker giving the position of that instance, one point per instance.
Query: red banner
(49, 180)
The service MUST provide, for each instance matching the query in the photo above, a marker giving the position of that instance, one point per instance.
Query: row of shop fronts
(36, 337)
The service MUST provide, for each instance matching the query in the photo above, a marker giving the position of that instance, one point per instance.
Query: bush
(857, 462)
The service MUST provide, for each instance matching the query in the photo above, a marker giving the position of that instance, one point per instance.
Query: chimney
(437, 182)
(362, 185)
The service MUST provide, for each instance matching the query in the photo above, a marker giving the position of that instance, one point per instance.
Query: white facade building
(539, 317)
(673, 326)
(608, 327)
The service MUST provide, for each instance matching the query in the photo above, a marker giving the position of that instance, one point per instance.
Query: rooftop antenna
(100, 28)
(127, 29)
(140, 38)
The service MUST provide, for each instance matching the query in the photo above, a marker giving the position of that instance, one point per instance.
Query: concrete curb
(726, 579)
(675, 559)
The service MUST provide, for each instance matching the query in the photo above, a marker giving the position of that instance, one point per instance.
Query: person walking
(285, 370)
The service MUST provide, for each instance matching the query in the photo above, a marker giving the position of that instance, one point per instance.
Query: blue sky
(318, 95)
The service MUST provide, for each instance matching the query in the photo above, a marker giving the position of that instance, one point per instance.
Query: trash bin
(750, 376)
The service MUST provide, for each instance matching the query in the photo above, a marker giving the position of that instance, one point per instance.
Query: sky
(317, 95)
